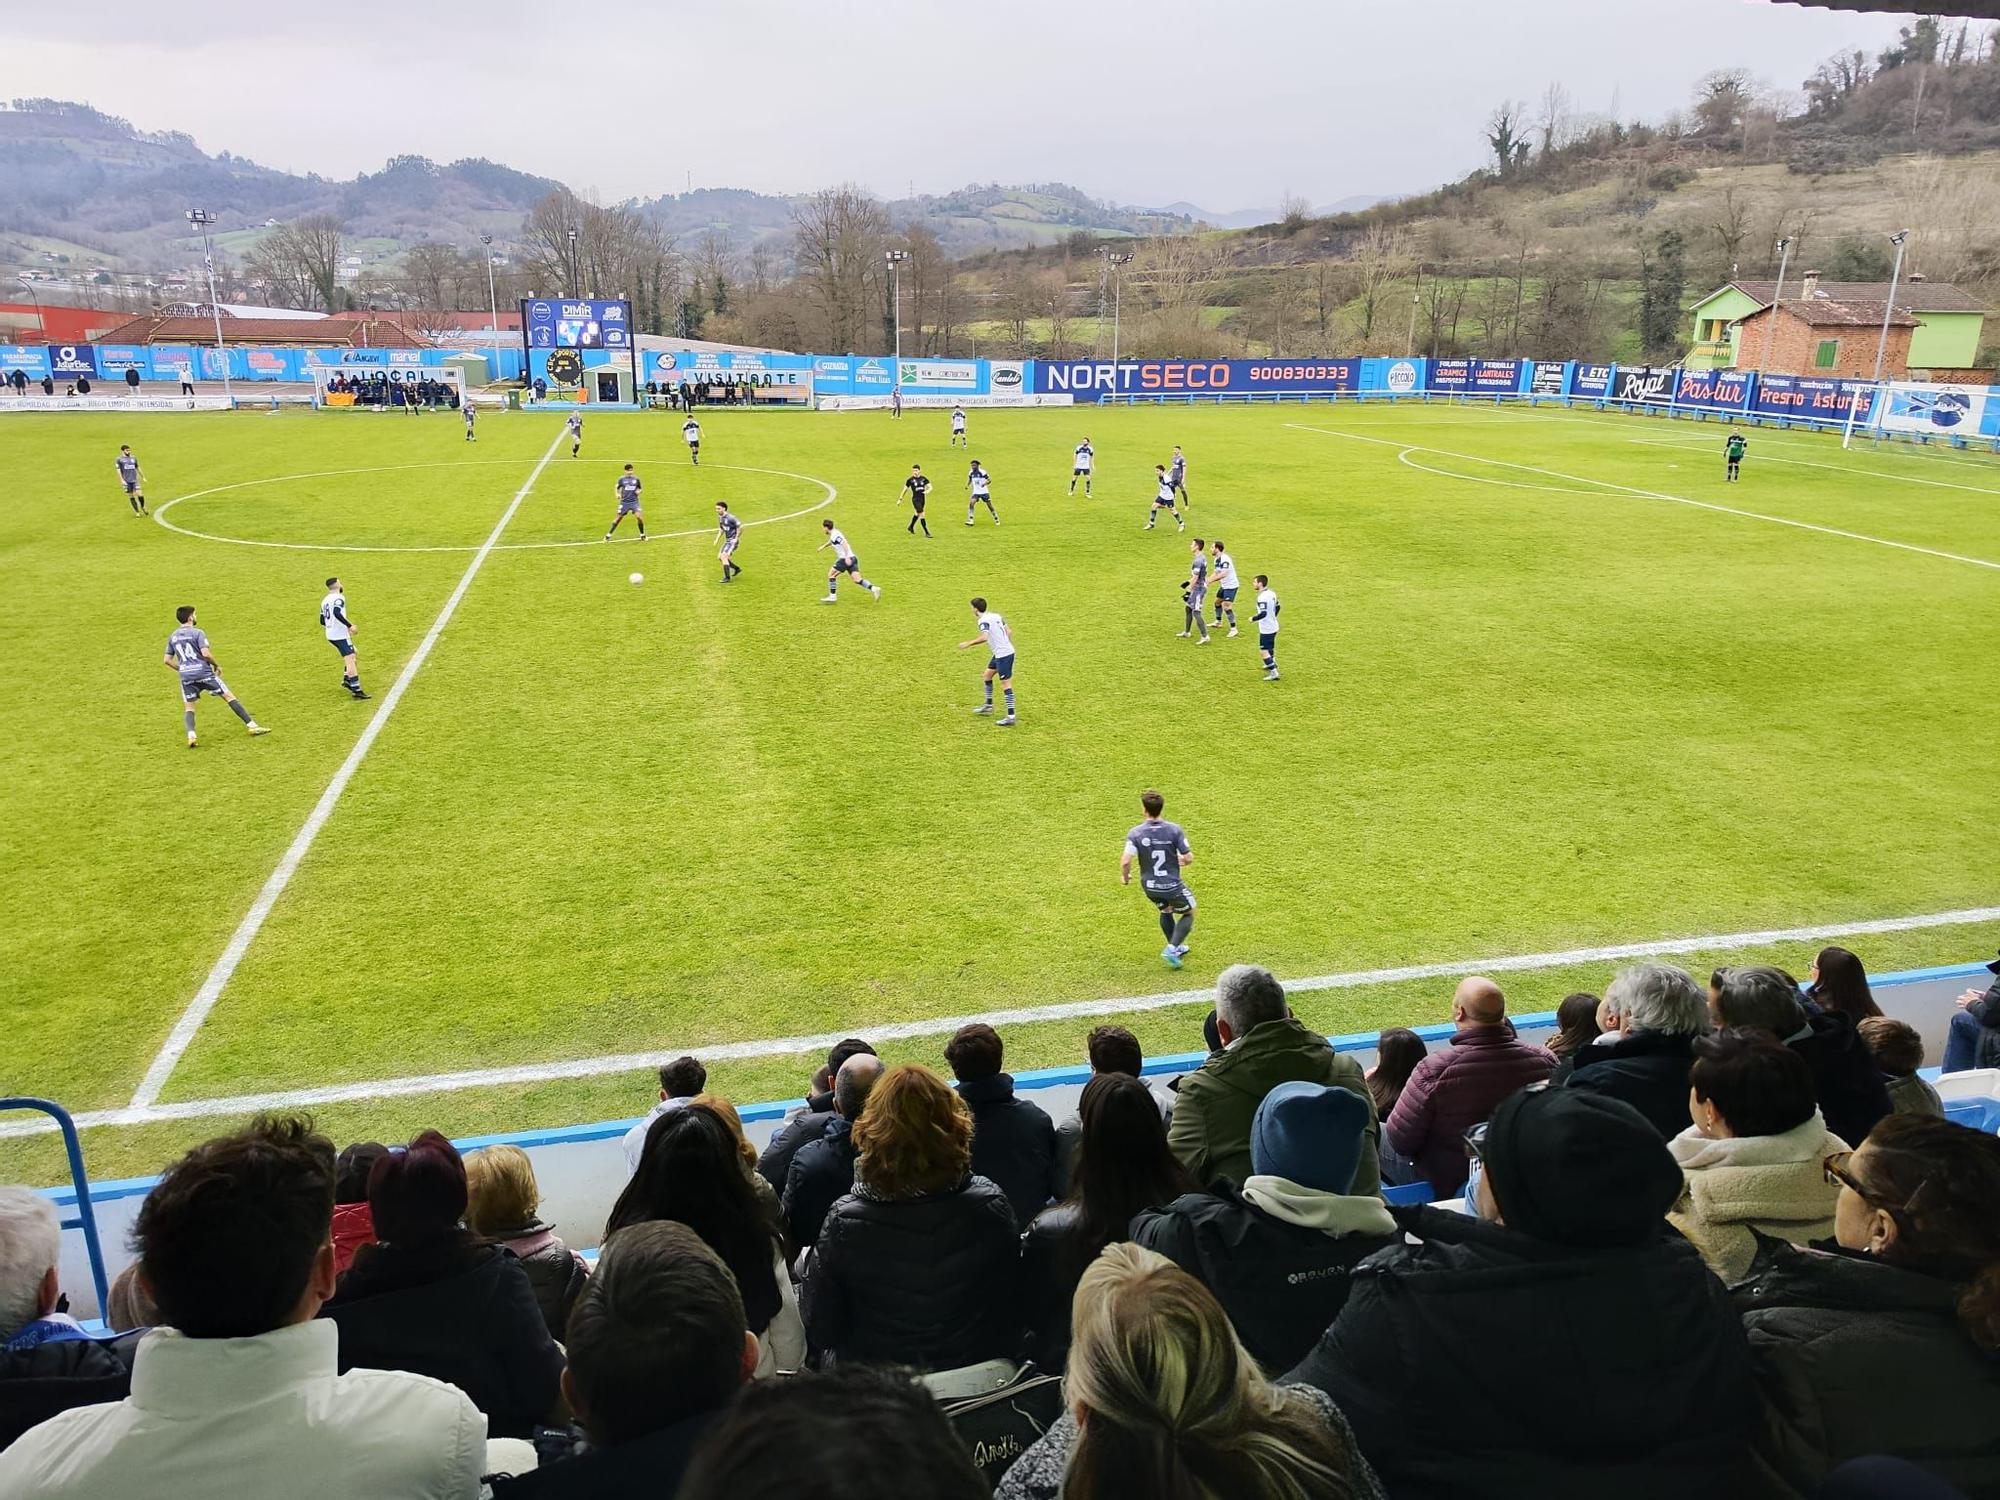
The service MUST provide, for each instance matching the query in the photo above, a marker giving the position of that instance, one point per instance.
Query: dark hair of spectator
(656, 1335)
(915, 1136)
(1113, 1049)
(1939, 1181)
(858, 1434)
(683, 1078)
(840, 1051)
(692, 1173)
(1211, 1031)
(1576, 1025)
(1398, 1050)
(416, 1194)
(228, 1238)
(1897, 1046)
(1122, 1165)
(351, 1169)
(974, 1052)
(1843, 985)
(1760, 1086)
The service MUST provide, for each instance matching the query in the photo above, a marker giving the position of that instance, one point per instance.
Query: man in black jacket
(1568, 1292)
(1013, 1141)
(1660, 1011)
(1972, 1040)
(1852, 1093)
(810, 1122)
(823, 1171)
(657, 1351)
(47, 1363)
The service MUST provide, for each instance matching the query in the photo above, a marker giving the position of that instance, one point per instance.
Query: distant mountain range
(1251, 218)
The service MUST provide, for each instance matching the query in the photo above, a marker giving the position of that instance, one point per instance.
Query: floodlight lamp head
(1899, 236)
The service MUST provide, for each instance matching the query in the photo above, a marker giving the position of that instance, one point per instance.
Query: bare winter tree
(1552, 118)
(838, 235)
(1730, 226)
(300, 262)
(1506, 136)
(1058, 305)
(1834, 81)
(1721, 98)
(1380, 259)
(1176, 276)
(431, 275)
(1018, 301)
(1294, 212)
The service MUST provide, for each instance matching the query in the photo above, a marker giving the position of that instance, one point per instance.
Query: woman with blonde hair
(502, 1197)
(1164, 1401)
(919, 1264)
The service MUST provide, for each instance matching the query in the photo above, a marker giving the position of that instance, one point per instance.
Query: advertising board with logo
(1593, 381)
(1644, 385)
(32, 360)
(1713, 390)
(576, 323)
(1813, 396)
(72, 360)
(1549, 378)
(1933, 410)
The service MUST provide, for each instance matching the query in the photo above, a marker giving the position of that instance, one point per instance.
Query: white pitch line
(1632, 489)
(191, 1019)
(625, 1062)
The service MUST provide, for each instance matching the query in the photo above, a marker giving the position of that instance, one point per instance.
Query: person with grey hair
(1851, 1091)
(1263, 1045)
(47, 1362)
(1660, 1010)
(822, 1173)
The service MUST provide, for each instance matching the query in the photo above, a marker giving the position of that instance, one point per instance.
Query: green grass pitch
(1523, 711)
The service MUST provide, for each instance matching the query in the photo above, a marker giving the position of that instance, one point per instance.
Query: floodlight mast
(895, 259)
(1117, 261)
(199, 219)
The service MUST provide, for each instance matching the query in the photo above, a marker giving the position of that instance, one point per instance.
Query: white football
(638, 577)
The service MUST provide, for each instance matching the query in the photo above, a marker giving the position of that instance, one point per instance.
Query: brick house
(1826, 336)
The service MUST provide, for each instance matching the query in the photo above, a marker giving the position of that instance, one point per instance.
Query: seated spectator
(1013, 1141)
(1645, 1057)
(693, 1173)
(1277, 1252)
(920, 1262)
(501, 1198)
(1898, 1050)
(823, 1171)
(1753, 1157)
(680, 1081)
(1887, 1341)
(1569, 1285)
(767, 1196)
(1454, 1089)
(1263, 1045)
(1123, 1166)
(657, 1351)
(1576, 1028)
(130, 1305)
(810, 1122)
(239, 1395)
(433, 1298)
(1163, 1400)
(352, 1225)
(1398, 1050)
(1972, 1038)
(48, 1364)
(1837, 981)
(861, 1434)
(1112, 1049)
(1846, 1081)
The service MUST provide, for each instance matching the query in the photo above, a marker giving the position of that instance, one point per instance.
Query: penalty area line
(151, 1113)
(190, 1023)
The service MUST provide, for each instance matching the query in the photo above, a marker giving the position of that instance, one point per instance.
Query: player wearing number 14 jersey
(188, 655)
(1160, 850)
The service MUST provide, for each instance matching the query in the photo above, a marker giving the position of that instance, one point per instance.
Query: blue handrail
(86, 1217)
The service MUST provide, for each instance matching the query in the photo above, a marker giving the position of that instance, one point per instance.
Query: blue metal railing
(86, 1217)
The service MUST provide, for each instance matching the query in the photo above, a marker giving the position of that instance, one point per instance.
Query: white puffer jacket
(1773, 1184)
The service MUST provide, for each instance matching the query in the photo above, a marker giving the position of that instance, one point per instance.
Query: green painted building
(1952, 322)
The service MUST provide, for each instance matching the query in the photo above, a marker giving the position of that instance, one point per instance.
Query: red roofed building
(46, 323)
(343, 333)
(1832, 337)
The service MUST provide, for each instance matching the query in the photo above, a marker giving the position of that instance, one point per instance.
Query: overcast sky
(1139, 101)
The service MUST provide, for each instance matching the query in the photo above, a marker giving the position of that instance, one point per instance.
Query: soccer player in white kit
(999, 660)
(1080, 467)
(1266, 620)
(1225, 585)
(691, 435)
(575, 426)
(340, 635)
(844, 561)
(979, 484)
(958, 437)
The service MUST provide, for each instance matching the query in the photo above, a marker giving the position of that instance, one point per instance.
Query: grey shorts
(209, 682)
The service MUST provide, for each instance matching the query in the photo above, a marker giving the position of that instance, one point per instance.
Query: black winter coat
(822, 1174)
(462, 1312)
(1856, 1356)
(1451, 1355)
(1647, 1069)
(1013, 1143)
(1051, 1266)
(650, 1465)
(809, 1124)
(1986, 1011)
(1852, 1093)
(1281, 1284)
(37, 1383)
(929, 1281)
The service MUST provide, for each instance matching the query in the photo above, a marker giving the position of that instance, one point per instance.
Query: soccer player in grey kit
(1160, 850)
(129, 476)
(188, 654)
(1194, 594)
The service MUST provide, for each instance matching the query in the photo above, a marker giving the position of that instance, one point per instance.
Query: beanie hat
(1579, 1168)
(1311, 1134)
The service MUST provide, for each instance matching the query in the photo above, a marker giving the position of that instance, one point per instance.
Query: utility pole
(896, 259)
(1777, 294)
(1889, 307)
(1117, 261)
(575, 270)
(200, 219)
(1416, 301)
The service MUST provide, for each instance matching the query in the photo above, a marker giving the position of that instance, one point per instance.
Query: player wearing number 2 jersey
(1160, 850)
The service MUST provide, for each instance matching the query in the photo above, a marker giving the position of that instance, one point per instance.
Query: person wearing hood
(1569, 1294)
(1277, 1252)
(1848, 1085)
(1753, 1156)
(502, 1199)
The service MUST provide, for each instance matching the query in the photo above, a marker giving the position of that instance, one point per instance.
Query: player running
(1177, 476)
(844, 561)
(728, 532)
(1160, 849)
(1080, 467)
(130, 477)
(1163, 499)
(575, 426)
(691, 435)
(999, 659)
(958, 437)
(1225, 585)
(1194, 594)
(918, 487)
(188, 654)
(1265, 618)
(1732, 452)
(628, 503)
(980, 483)
(465, 410)
(340, 635)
